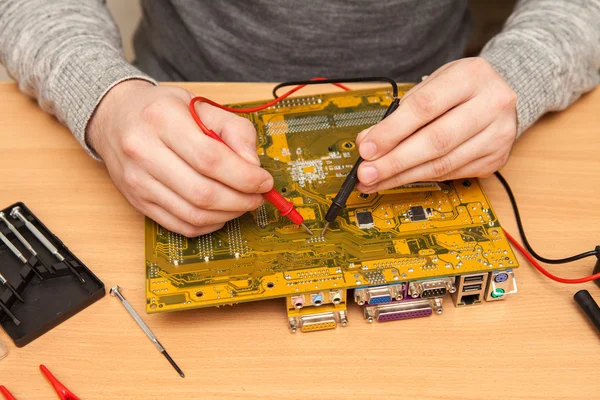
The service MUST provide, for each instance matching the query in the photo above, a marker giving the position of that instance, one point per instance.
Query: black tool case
(48, 301)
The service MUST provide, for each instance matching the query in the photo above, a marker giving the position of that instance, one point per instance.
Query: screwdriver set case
(42, 283)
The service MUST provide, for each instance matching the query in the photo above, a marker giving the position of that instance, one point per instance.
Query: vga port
(431, 288)
(403, 310)
(318, 322)
(378, 294)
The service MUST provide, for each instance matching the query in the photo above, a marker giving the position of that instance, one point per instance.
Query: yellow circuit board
(414, 232)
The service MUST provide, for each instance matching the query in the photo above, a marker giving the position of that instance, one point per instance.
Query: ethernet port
(469, 299)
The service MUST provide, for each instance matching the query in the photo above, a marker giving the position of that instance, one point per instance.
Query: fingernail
(363, 134)
(250, 154)
(368, 175)
(367, 150)
(265, 186)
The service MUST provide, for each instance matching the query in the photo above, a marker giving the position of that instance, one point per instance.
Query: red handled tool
(6, 393)
(286, 208)
(63, 392)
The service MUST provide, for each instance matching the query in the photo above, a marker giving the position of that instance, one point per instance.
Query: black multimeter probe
(339, 201)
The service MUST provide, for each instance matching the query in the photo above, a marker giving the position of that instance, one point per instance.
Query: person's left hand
(459, 122)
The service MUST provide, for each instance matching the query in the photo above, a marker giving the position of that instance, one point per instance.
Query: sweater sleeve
(65, 53)
(549, 53)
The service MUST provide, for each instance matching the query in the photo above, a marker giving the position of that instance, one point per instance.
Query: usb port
(471, 288)
(473, 278)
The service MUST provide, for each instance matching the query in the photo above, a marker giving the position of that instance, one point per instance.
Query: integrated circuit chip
(364, 219)
(417, 213)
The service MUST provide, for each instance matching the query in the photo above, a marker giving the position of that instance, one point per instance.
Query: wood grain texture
(535, 345)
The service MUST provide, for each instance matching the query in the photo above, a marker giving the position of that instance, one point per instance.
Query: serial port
(431, 288)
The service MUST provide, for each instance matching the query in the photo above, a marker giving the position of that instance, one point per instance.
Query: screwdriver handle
(285, 207)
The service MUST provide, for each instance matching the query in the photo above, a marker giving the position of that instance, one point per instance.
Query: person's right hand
(167, 168)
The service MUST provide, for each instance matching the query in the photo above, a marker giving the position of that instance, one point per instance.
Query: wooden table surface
(535, 345)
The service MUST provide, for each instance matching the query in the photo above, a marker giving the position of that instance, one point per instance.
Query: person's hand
(459, 122)
(167, 168)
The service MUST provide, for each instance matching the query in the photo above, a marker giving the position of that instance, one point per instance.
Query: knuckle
(198, 218)
(210, 159)
(396, 166)
(133, 146)
(154, 113)
(505, 98)
(244, 124)
(440, 140)
(180, 92)
(190, 231)
(441, 166)
(204, 195)
(422, 104)
(478, 65)
(132, 178)
(253, 203)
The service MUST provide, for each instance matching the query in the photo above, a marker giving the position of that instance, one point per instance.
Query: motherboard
(396, 253)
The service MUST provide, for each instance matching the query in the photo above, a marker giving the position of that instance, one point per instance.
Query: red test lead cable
(285, 207)
(543, 270)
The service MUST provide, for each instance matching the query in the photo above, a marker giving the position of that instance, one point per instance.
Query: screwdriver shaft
(24, 241)
(10, 287)
(16, 213)
(12, 248)
(10, 314)
(116, 292)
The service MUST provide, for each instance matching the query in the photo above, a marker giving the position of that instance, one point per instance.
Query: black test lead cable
(513, 201)
(339, 201)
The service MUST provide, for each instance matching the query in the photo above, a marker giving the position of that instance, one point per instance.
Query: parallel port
(403, 310)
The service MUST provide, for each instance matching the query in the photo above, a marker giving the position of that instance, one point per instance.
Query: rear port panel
(470, 289)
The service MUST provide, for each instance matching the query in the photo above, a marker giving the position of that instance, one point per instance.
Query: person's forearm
(549, 53)
(65, 53)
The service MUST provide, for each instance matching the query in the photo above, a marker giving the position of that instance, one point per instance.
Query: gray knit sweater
(67, 53)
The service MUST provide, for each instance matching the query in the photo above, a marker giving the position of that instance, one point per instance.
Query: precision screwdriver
(16, 213)
(24, 241)
(10, 315)
(339, 202)
(18, 254)
(10, 287)
(116, 292)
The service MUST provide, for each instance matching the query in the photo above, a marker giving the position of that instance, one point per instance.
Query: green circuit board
(417, 231)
